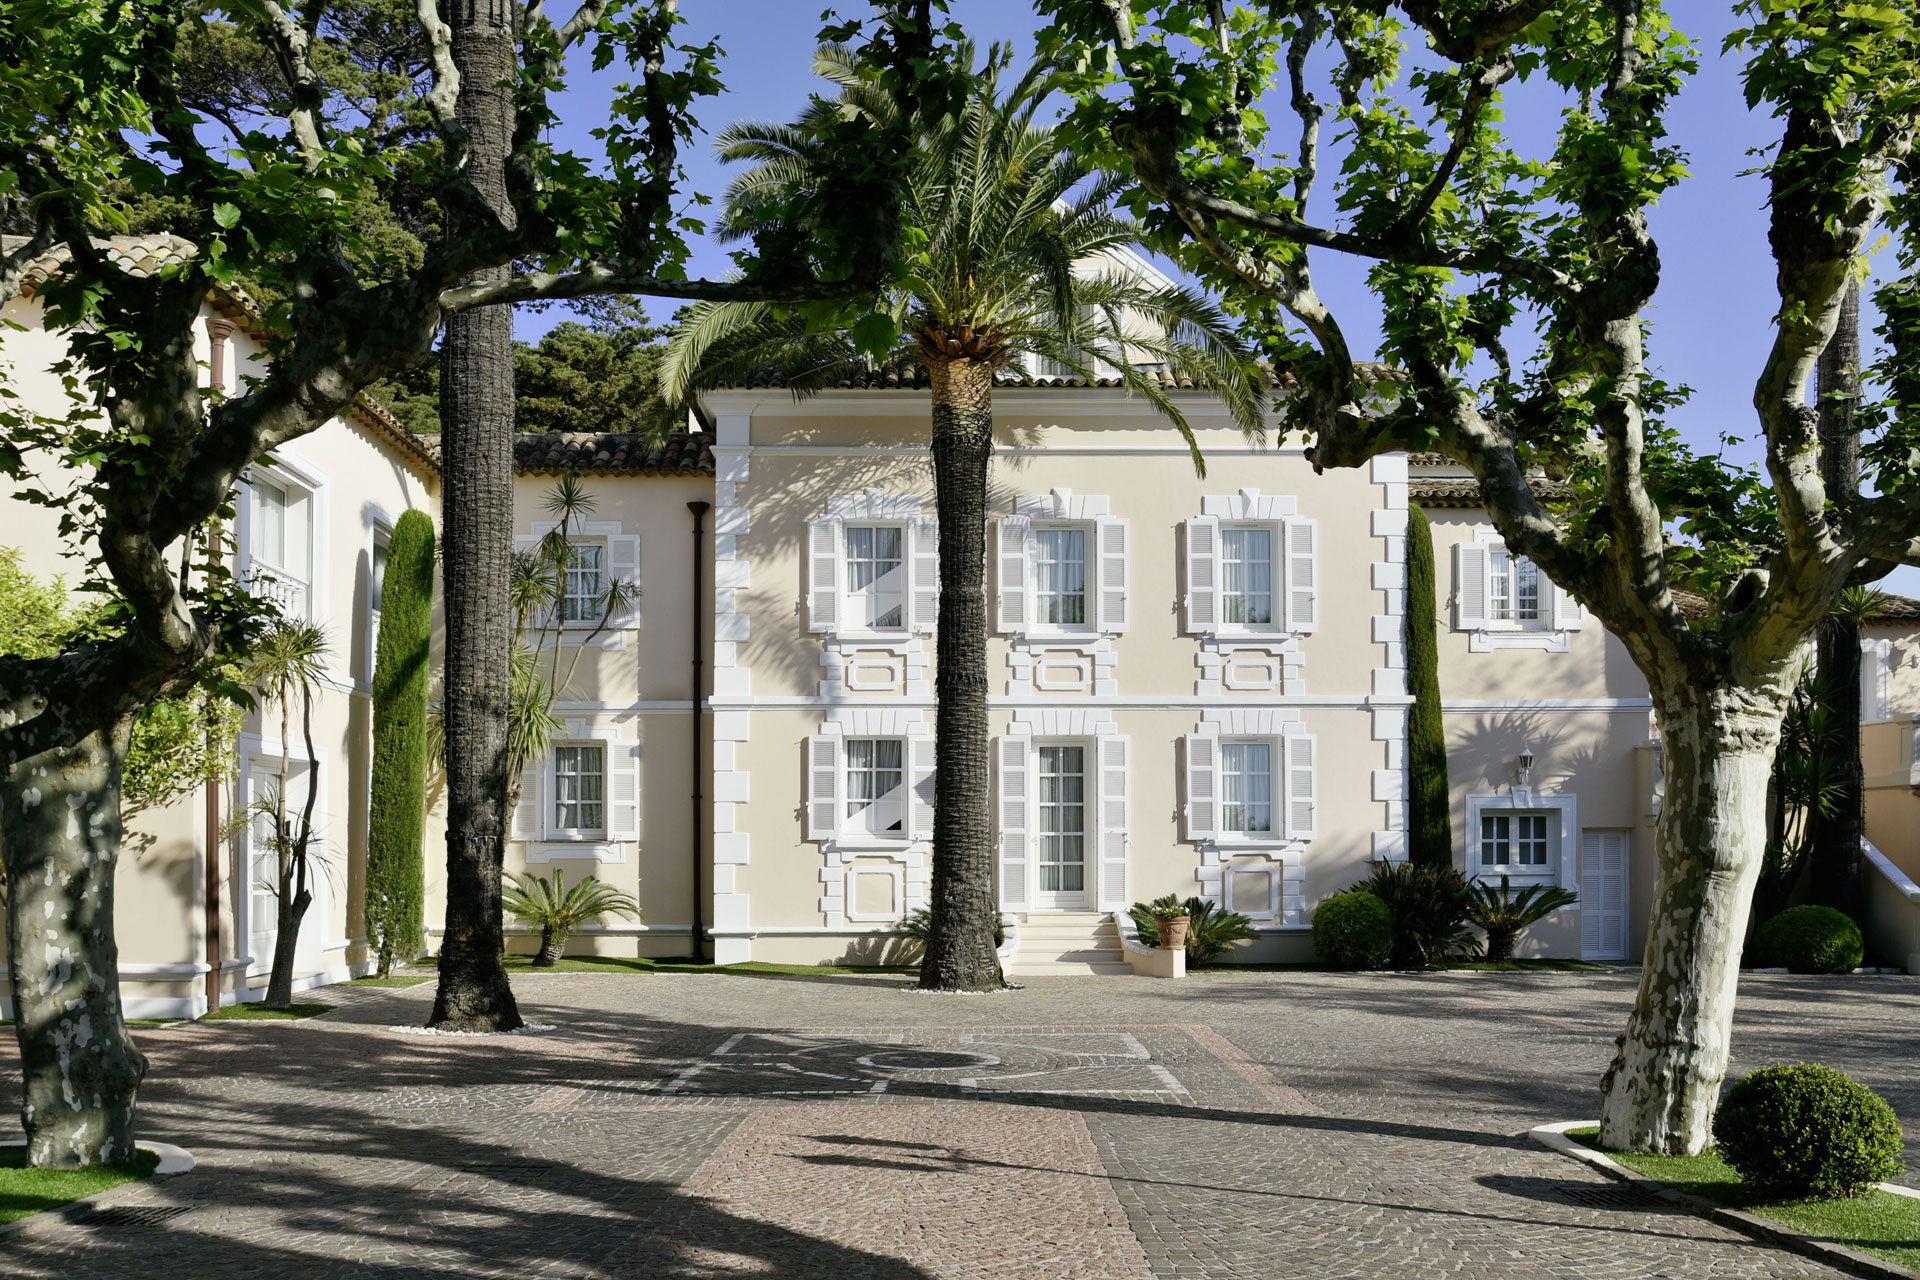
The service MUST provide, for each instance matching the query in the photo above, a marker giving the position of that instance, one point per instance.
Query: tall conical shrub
(1429, 815)
(396, 809)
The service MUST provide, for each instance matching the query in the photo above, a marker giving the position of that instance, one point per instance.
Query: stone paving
(703, 1126)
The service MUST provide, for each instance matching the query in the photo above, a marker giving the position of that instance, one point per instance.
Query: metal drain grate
(136, 1215)
(1608, 1197)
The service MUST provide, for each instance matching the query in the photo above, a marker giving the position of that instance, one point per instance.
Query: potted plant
(1173, 928)
(559, 910)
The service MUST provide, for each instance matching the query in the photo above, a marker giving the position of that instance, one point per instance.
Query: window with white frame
(584, 599)
(1060, 576)
(1062, 775)
(1246, 788)
(875, 577)
(874, 787)
(1246, 572)
(280, 542)
(1513, 589)
(580, 790)
(1250, 790)
(1515, 841)
(1506, 601)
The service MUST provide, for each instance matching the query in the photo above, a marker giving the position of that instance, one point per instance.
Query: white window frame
(1503, 605)
(379, 535)
(1089, 569)
(256, 751)
(1557, 614)
(1276, 569)
(308, 484)
(532, 821)
(1089, 804)
(600, 571)
(551, 796)
(618, 545)
(1563, 827)
(861, 598)
(830, 601)
(864, 835)
(1276, 820)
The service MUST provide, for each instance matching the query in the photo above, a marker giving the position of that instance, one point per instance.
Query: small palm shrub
(558, 910)
(918, 926)
(1353, 931)
(1801, 1129)
(1504, 914)
(1430, 906)
(1212, 931)
(1811, 940)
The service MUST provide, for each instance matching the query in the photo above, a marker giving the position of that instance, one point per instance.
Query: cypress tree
(396, 810)
(1429, 813)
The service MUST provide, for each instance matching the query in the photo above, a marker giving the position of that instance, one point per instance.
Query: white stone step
(1043, 969)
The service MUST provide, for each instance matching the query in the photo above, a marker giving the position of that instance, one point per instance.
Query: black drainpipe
(699, 510)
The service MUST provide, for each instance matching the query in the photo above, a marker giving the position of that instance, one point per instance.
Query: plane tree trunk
(1664, 1084)
(60, 836)
(476, 422)
(960, 953)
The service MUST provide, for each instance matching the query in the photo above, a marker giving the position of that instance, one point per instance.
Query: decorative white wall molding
(1060, 504)
(873, 504)
(1389, 578)
(1063, 722)
(732, 574)
(1564, 804)
(1042, 665)
(839, 853)
(1267, 665)
(848, 664)
(1249, 504)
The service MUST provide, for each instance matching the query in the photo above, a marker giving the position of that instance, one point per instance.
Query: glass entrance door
(1063, 828)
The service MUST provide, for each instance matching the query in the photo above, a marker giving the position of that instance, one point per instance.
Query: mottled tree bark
(476, 422)
(60, 835)
(1837, 834)
(960, 954)
(1661, 1090)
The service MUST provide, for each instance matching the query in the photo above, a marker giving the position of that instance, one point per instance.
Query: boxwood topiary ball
(1810, 940)
(1801, 1129)
(1354, 931)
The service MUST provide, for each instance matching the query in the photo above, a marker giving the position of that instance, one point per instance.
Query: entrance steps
(1067, 943)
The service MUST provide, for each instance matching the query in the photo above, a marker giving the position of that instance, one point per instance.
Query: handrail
(1885, 866)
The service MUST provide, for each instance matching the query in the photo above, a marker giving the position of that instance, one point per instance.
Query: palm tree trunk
(1837, 833)
(960, 954)
(553, 944)
(476, 423)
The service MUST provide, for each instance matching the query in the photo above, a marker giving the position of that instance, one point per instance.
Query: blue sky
(1711, 318)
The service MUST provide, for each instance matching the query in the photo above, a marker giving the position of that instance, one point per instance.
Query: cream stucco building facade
(1198, 687)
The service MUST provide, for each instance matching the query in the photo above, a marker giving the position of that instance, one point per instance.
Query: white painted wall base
(732, 950)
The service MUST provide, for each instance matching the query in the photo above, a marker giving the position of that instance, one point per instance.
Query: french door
(1062, 864)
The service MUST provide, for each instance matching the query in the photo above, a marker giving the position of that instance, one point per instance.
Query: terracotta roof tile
(1465, 491)
(912, 375)
(612, 453)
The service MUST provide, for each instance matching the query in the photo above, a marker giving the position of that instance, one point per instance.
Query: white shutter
(1303, 573)
(1113, 823)
(1011, 593)
(1203, 575)
(623, 565)
(526, 814)
(1113, 537)
(1298, 749)
(921, 755)
(1016, 821)
(1603, 895)
(1567, 613)
(1876, 672)
(1469, 585)
(1203, 786)
(623, 790)
(823, 786)
(823, 574)
(924, 592)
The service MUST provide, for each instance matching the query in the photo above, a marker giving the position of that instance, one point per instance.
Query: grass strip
(643, 964)
(260, 1013)
(25, 1191)
(394, 981)
(1878, 1222)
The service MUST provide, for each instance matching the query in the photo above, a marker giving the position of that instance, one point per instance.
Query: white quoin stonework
(1389, 701)
(732, 846)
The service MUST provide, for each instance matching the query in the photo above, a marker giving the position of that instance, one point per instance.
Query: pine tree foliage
(1429, 815)
(396, 810)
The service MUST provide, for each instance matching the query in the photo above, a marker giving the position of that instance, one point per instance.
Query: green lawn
(397, 980)
(260, 1013)
(1878, 1222)
(24, 1191)
(1505, 966)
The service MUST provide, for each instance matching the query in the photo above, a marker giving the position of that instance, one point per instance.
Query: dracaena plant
(1517, 299)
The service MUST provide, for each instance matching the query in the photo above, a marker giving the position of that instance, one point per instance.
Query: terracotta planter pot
(1173, 931)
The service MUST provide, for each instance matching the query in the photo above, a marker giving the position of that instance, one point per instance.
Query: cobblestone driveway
(1256, 1125)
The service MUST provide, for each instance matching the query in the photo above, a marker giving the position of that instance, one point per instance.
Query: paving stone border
(1554, 1136)
(173, 1162)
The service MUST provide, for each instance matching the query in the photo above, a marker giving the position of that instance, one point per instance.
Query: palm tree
(558, 910)
(1015, 253)
(1504, 914)
(288, 661)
